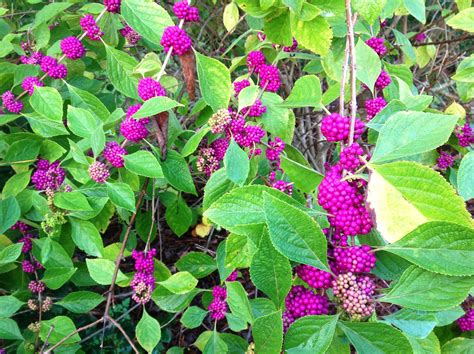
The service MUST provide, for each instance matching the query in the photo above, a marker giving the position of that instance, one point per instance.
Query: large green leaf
(176, 171)
(9, 213)
(193, 143)
(81, 301)
(156, 105)
(215, 344)
(238, 301)
(409, 133)
(305, 178)
(147, 18)
(239, 250)
(463, 20)
(277, 120)
(48, 103)
(369, 66)
(148, 332)
(54, 278)
(81, 122)
(294, 233)
(102, 270)
(439, 247)
(271, 272)
(9, 305)
(198, 264)
(278, 29)
(420, 289)
(121, 195)
(214, 81)
(58, 328)
(465, 173)
(369, 9)
(119, 69)
(375, 338)
(9, 329)
(458, 345)
(416, 8)
(193, 317)
(86, 100)
(143, 163)
(50, 11)
(310, 334)
(413, 193)
(414, 323)
(236, 163)
(215, 187)
(73, 200)
(169, 302)
(305, 93)
(86, 236)
(267, 333)
(315, 35)
(180, 283)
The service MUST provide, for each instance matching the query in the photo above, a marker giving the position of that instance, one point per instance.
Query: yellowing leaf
(456, 109)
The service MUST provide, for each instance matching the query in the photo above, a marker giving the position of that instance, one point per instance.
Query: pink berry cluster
(143, 282)
(185, 12)
(355, 295)
(48, 176)
(377, 44)
(29, 84)
(72, 48)
(466, 322)
(382, 81)
(53, 68)
(233, 276)
(114, 153)
(314, 277)
(354, 259)
(240, 85)
(374, 106)
(36, 287)
(99, 172)
(134, 129)
(130, 35)
(26, 239)
(113, 6)
(349, 159)
(90, 27)
(337, 128)
(420, 37)
(33, 59)
(465, 135)
(218, 306)
(10, 102)
(255, 110)
(177, 39)
(255, 59)
(445, 160)
(149, 88)
(301, 302)
(269, 77)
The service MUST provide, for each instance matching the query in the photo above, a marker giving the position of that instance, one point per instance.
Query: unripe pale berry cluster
(219, 121)
(130, 35)
(355, 295)
(99, 172)
(143, 282)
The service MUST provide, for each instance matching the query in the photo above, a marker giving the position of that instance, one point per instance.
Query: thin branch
(116, 324)
(446, 41)
(352, 55)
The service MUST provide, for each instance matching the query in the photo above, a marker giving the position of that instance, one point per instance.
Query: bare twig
(352, 55)
(116, 324)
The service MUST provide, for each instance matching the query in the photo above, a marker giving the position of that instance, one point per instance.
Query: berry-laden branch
(352, 56)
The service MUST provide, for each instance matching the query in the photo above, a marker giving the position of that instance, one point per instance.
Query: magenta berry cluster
(374, 106)
(113, 6)
(99, 172)
(382, 81)
(233, 276)
(149, 88)
(143, 282)
(246, 135)
(20, 226)
(114, 153)
(269, 78)
(29, 84)
(176, 38)
(48, 176)
(466, 322)
(134, 129)
(10, 102)
(53, 68)
(90, 27)
(445, 160)
(377, 44)
(130, 35)
(72, 48)
(240, 85)
(465, 135)
(420, 37)
(220, 148)
(301, 302)
(255, 59)
(354, 259)
(291, 48)
(314, 277)
(218, 306)
(207, 161)
(33, 59)
(354, 295)
(337, 128)
(185, 12)
(255, 110)
(349, 158)
(36, 287)
(275, 148)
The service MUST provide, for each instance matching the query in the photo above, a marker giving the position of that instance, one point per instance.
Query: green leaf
(47, 102)
(305, 178)
(214, 81)
(248, 96)
(102, 270)
(217, 185)
(271, 272)
(294, 233)
(86, 100)
(419, 289)
(463, 20)
(238, 301)
(119, 70)
(276, 120)
(16, 184)
(231, 16)
(179, 216)
(73, 200)
(315, 35)
(371, 338)
(9, 329)
(387, 112)
(148, 332)
(224, 271)
(428, 345)
(22, 150)
(215, 344)
(193, 317)
(414, 323)
(416, 8)
(369, 9)
(143, 163)
(61, 327)
(81, 122)
(9, 305)
(147, 18)
(121, 195)
(310, 334)
(236, 163)
(409, 133)
(405, 45)
(305, 93)
(370, 66)
(45, 127)
(176, 172)
(54, 278)
(180, 283)
(267, 333)
(169, 302)
(193, 143)
(439, 247)
(86, 236)
(50, 11)
(458, 345)
(10, 253)
(239, 250)
(81, 301)
(278, 29)
(465, 173)
(156, 105)
(198, 264)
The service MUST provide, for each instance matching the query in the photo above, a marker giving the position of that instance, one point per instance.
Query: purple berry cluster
(382, 81)
(233, 276)
(292, 48)
(113, 6)
(337, 128)
(240, 85)
(220, 148)
(465, 135)
(29, 84)
(149, 88)
(274, 150)
(255, 60)
(185, 12)
(53, 68)
(134, 129)
(314, 277)
(72, 48)
(445, 160)
(10, 102)
(99, 172)
(36, 287)
(377, 44)
(466, 322)
(255, 110)
(177, 39)
(355, 295)
(374, 106)
(90, 27)
(33, 59)
(114, 153)
(420, 37)
(349, 158)
(207, 161)
(218, 306)
(143, 282)
(301, 302)
(20, 226)
(354, 259)
(130, 35)
(48, 176)
(269, 78)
